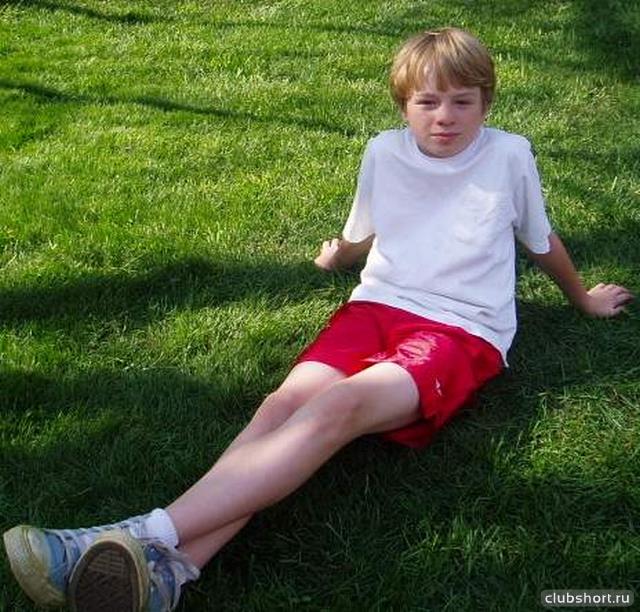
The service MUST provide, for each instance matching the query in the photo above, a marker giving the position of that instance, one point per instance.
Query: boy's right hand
(328, 258)
(340, 253)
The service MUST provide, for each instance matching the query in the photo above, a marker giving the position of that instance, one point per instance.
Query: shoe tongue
(153, 553)
(61, 564)
(170, 570)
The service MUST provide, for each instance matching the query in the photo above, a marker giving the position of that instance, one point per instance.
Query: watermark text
(574, 598)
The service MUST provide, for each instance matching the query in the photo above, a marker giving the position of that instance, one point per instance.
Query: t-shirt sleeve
(532, 227)
(359, 224)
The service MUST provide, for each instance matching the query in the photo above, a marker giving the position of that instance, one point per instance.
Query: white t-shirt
(444, 229)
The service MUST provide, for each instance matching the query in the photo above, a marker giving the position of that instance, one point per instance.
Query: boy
(436, 209)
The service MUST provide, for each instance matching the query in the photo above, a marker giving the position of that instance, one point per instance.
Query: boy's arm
(600, 301)
(339, 253)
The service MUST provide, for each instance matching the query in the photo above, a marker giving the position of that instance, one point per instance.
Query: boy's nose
(444, 116)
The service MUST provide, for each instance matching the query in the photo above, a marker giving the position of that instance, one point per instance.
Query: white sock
(157, 525)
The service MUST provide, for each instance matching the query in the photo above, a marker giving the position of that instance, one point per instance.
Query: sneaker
(129, 575)
(111, 576)
(42, 561)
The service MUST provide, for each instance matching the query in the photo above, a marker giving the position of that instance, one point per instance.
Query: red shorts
(447, 363)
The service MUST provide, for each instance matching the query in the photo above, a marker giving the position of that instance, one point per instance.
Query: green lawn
(167, 173)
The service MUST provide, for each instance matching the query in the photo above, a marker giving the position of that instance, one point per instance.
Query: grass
(167, 172)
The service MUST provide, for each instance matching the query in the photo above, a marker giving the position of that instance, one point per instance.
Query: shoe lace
(165, 593)
(168, 570)
(75, 541)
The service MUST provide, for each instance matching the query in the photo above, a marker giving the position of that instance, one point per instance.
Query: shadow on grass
(615, 239)
(139, 298)
(616, 244)
(391, 30)
(607, 162)
(372, 508)
(410, 20)
(130, 17)
(101, 445)
(163, 104)
(43, 397)
(609, 32)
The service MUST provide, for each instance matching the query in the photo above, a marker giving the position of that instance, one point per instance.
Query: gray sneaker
(42, 561)
(111, 576)
(129, 575)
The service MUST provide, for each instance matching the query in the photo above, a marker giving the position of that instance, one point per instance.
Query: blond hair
(455, 57)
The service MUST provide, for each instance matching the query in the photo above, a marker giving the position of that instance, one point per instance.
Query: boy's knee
(279, 404)
(339, 415)
(336, 413)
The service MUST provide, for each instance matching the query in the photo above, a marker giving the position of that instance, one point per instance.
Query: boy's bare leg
(305, 380)
(260, 472)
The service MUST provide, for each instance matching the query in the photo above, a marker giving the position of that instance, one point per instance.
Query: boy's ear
(486, 107)
(403, 109)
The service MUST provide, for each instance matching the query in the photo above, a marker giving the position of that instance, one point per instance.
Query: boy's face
(444, 122)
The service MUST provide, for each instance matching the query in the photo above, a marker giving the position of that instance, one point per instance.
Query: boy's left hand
(607, 300)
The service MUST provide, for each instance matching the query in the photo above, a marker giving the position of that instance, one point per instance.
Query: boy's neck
(456, 155)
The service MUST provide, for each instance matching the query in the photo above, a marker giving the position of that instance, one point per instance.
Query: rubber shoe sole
(111, 576)
(29, 569)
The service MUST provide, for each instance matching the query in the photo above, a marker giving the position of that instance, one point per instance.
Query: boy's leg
(306, 380)
(254, 475)
(260, 472)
